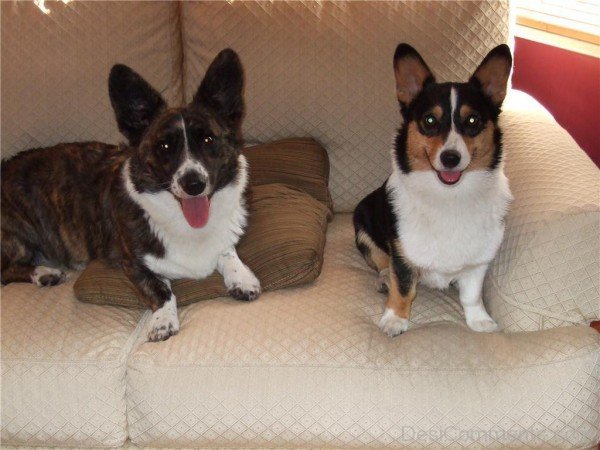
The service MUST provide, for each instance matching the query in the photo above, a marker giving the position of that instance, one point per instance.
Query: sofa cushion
(308, 367)
(63, 368)
(55, 67)
(283, 245)
(547, 272)
(324, 69)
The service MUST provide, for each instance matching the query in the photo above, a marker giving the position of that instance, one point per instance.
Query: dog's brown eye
(208, 140)
(164, 146)
(472, 120)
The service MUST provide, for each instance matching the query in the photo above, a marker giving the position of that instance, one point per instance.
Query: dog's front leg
(241, 283)
(470, 285)
(156, 293)
(402, 292)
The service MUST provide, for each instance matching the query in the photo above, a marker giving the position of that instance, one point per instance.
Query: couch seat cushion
(63, 368)
(309, 367)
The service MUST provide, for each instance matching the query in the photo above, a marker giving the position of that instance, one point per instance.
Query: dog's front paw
(479, 320)
(163, 324)
(246, 291)
(391, 324)
(244, 287)
(486, 325)
(47, 276)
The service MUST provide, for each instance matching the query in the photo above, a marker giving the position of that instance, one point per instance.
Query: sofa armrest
(547, 272)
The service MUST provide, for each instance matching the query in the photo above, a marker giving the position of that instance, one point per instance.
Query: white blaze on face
(195, 208)
(188, 164)
(454, 141)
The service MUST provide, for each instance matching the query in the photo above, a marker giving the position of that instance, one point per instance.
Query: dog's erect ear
(135, 102)
(222, 87)
(411, 74)
(493, 72)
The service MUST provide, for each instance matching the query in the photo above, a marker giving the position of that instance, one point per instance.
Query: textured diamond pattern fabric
(55, 67)
(63, 368)
(547, 273)
(324, 69)
(309, 367)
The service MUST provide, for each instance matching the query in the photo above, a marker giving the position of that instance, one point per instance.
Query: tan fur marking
(464, 111)
(378, 259)
(397, 302)
(438, 112)
(481, 147)
(420, 148)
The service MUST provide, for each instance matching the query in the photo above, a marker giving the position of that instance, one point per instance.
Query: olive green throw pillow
(299, 162)
(283, 245)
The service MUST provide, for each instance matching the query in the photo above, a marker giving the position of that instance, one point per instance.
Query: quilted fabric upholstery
(55, 67)
(309, 367)
(324, 69)
(547, 273)
(63, 368)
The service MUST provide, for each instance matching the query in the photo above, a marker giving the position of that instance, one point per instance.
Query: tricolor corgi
(439, 217)
(168, 205)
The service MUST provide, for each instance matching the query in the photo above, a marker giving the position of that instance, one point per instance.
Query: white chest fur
(446, 230)
(190, 252)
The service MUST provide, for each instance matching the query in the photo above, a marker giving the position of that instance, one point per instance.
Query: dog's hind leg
(376, 258)
(366, 228)
(17, 265)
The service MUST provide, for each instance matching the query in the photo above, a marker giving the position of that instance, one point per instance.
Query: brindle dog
(168, 205)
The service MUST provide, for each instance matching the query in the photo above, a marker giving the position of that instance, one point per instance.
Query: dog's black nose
(192, 184)
(450, 158)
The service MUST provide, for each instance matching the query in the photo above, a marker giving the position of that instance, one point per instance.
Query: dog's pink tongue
(196, 210)
(450, 177)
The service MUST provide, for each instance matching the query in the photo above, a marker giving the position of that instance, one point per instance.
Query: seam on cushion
(103, 365)
(133, 337)
(120, 361)
(596, 349)
(540, 312)
(401, 370)
(181, 51)
(544, 313)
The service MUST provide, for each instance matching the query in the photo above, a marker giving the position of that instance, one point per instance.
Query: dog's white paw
(383, 281)
(164, 322)
(478, 319)
(43, 276)
(242, 284)
(391, 324)
(486, 325)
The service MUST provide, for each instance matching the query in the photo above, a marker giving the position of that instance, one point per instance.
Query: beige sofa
(305, 367)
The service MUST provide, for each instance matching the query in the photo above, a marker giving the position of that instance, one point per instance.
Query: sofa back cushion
(55, 66)
(324, 69)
